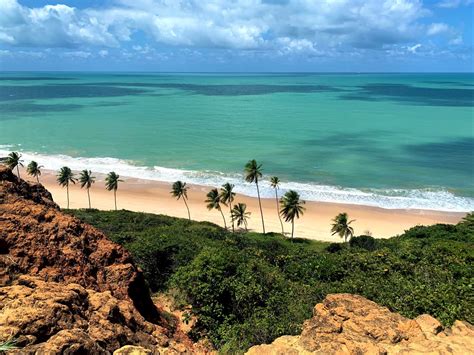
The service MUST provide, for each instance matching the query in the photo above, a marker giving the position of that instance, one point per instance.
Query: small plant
(8, 345)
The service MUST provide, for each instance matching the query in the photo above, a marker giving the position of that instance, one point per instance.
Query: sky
(237, 36)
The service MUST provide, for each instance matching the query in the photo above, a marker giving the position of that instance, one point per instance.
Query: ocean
(386, 140)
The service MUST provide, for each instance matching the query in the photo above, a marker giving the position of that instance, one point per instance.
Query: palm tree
(214, 201)
(275, 183)
(14, 161)
(291, 208)
(64, 177)
(253, 172)
(86, 179)
(178, 190)
(227, 197)
(111, 183)
(34, 170)
(240, 215)
(342, 226)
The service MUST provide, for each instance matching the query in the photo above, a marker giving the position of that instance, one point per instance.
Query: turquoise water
(389, 140)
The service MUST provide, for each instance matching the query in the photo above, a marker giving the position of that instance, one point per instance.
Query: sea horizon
(360, 138)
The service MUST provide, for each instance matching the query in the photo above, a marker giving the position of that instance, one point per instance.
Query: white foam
(428, 199)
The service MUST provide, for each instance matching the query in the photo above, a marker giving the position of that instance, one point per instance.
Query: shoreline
(152, 196)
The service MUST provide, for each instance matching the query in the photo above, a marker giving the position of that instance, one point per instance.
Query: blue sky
(239, 35)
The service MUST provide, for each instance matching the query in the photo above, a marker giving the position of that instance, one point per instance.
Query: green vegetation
(275, 183)
(341, 226)
(253, 173)
(34, 169)
(213, 201)
(7, 346)
(249, 288)
(291, 208)
(64, 178)
(227, 196)
(180, 190)
(240, 215)
(111, 184)
(86, 179)
(14, 161)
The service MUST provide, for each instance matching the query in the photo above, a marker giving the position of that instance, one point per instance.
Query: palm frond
(213, 199)
(112, 180)
(179, 189)
(65, 176)
(253, 171)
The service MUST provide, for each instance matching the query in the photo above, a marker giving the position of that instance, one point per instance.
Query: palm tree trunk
(245, 224)
(115, 199)
(225, 225)
(278, 211)
(89, 198)
(37, 179)
(189, 214)
(18, 171)
(67, 192)
(230, 210)
(260, 205)
(292, 229)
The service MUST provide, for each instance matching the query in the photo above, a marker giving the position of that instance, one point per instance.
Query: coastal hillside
(249, 288)
(67, 288)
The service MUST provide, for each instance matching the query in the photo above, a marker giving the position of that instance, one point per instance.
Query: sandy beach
(154, 197)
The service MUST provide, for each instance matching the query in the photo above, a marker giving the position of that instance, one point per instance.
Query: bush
(364, 242)
(334, 247)
(250, 288)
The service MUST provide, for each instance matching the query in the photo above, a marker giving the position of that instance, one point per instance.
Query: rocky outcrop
(351, 324)
(50, 317)
(37, 239)
(65, 287)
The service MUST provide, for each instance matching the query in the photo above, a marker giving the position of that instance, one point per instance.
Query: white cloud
(452, 4)
(414, 48)
(77, 54)
(246, 27)
(287, 45)
(456, 41)
(50, 26)
(437, 28)
(5, 53)
(241, 24)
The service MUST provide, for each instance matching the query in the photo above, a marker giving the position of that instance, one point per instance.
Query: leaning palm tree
(34, 170)
(341, 226)
(291, 208)
(253, 172)
(64, 178)
(227, 197)
(86, 179)
(14, 161)
(214, 202)
(178, 190)
(111, 183)
(240, 215)
(275, 183)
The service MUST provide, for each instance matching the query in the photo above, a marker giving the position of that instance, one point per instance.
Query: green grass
(7, 345)
(250, 288)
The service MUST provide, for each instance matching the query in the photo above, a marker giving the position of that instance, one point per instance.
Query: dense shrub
(250, 288)
(364, 241)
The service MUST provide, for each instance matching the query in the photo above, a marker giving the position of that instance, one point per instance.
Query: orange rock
(351, 324)
(65, 287)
